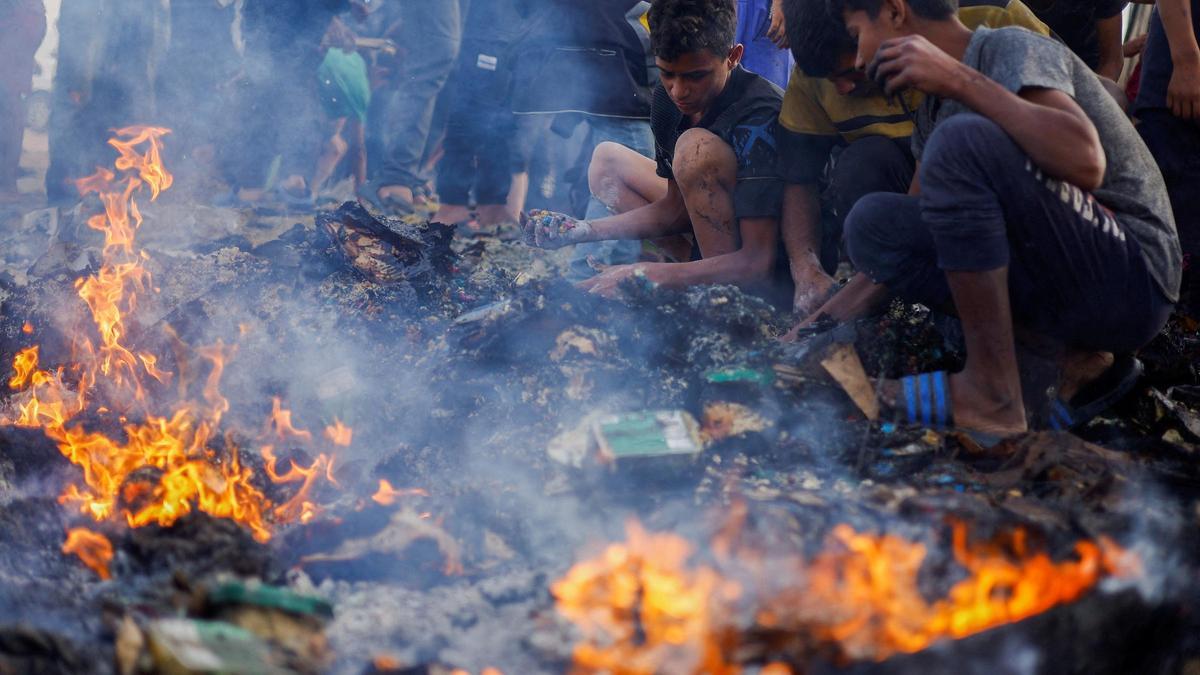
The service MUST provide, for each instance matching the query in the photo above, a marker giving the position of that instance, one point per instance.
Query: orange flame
(641, 606)
(339, 434)
(94, 549)
(387, 495)
(279, 424)
(165, 467)
(27, 328)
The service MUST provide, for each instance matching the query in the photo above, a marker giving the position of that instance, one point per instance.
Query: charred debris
(509, 424)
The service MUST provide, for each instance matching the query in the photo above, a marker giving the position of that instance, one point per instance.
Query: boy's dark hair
(936, 10)
(679, 27)
(818, 38)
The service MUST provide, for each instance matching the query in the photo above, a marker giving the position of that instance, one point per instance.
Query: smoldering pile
(505, 421)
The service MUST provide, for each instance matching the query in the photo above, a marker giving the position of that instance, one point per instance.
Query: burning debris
(355, 445)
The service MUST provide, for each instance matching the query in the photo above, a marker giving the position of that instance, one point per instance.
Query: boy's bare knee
(702, 155)
(605, 165)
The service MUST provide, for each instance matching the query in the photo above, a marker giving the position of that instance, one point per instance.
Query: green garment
(344, 88)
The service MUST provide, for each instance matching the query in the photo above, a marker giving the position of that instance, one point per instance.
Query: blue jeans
(636, 135)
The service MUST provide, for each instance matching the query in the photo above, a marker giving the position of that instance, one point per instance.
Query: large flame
(161, 466)
(645, 606)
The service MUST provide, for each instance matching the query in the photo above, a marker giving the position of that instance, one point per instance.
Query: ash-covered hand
(608, 282)
(548, 229)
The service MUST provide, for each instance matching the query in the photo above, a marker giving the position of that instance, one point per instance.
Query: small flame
(27, 328)
(339, 434)
(387, 495)
(94, 549)
(279, 424)
(24, 365)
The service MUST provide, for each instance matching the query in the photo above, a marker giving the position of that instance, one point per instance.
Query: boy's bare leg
(706, 171)
(623, 179)
(986, 395)
(331, 153)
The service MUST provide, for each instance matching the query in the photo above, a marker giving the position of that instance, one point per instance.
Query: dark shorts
(1074, 275)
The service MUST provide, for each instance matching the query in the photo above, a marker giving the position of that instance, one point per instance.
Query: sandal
(1099, 395)
(927, 403)
(368, 196)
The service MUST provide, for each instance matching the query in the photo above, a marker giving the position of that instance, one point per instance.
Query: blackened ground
(456, 376)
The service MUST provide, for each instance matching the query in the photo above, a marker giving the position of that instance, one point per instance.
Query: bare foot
(1079, 369)
(496, 214)
(984, 409)
(452, 213)
(812, 289)
(397, 192)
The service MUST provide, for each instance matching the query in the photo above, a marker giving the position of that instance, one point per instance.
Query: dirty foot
(1079, 369)
(973, 408)
(451, 214)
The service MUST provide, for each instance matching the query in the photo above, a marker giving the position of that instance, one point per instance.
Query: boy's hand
(778, 30)
(1183, 92)
(912, 62)
(608, 282)
(548, 229)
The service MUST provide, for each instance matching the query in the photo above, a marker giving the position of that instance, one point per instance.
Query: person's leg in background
(456, 173)
(494, 160)
(870, 164)
(1175, 144)
(530, 131)
(22, 27)
(636, 135)
(432, 34)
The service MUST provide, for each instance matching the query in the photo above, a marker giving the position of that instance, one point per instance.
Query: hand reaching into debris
(608, 282)
(548, 229)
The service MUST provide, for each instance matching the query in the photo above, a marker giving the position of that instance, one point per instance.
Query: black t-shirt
(744, 116)
(1074, 22)
(1157, 66)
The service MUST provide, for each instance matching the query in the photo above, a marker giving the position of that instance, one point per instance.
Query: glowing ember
(387, 495)
(643, 605)
(163, 466)
(92, 548)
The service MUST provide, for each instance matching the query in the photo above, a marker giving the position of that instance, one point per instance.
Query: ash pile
(469, 466)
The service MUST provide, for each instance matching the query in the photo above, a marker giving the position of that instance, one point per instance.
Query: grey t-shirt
(1133, 187)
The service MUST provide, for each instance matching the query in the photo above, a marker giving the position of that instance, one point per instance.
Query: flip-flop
(1100, 395)
(368, 195)
(927, 403)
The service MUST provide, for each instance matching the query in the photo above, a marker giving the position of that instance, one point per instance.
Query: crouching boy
(714, 173)
(1041, 215)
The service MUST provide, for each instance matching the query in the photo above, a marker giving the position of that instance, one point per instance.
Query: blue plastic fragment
(888, 428)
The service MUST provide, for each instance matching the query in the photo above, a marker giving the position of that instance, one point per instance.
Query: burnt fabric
(743, 116)
(1076, 273)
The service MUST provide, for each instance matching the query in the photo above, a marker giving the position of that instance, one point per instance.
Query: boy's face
(850, 81)
(869, 33)
(696, 79)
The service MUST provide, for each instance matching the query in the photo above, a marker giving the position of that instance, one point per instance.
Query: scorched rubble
(458, 362)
